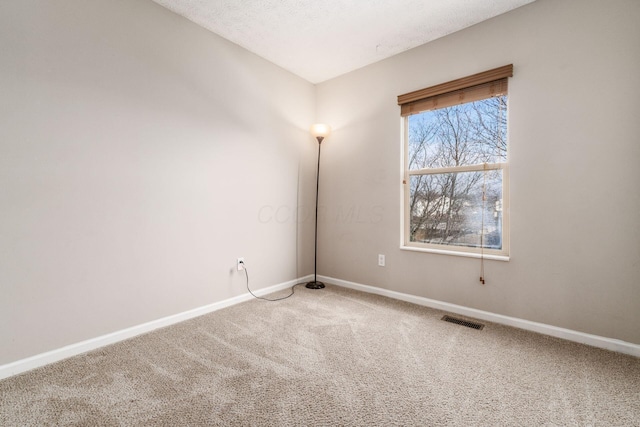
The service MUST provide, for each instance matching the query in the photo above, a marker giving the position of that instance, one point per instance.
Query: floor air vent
(466, 323)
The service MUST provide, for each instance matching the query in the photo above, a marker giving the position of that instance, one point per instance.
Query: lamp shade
(320, 130)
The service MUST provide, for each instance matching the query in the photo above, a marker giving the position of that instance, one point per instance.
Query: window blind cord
(484, 199)
(246, 273)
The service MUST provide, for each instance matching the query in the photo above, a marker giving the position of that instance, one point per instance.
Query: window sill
(456, 253)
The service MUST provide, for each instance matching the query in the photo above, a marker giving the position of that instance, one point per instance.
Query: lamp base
(314, 285)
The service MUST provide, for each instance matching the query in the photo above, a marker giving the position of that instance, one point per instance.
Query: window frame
(407, 101)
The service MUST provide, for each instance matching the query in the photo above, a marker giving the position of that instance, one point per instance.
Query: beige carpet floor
(327, 358)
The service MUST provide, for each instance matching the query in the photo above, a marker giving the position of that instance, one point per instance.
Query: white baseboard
(56, 355)
(554, 331)
(43, 359)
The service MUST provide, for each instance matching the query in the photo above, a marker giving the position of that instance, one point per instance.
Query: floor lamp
(320, 132)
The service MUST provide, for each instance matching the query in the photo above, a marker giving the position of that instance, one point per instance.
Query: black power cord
(246, 272)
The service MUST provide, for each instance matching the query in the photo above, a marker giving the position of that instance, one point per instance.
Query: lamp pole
(320, 131)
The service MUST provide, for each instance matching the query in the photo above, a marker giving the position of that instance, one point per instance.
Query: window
(455, 166)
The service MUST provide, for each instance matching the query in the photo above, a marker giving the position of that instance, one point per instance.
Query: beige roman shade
(467, 89)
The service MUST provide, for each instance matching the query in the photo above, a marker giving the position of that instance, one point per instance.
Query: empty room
(319, 213)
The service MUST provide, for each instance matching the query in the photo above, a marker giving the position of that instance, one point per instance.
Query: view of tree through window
(455, 155)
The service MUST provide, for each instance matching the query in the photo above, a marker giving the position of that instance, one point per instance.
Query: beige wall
(140, 155)
(574, 140)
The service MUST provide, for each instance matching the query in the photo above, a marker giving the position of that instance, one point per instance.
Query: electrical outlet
(381, 260)
(240, 264)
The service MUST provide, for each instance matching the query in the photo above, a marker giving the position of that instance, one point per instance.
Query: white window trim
(455, 253)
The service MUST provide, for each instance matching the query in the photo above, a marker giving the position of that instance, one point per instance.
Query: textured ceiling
(322, 39)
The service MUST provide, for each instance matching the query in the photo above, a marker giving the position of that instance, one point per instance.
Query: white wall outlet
(381, 260)
(240, 264)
